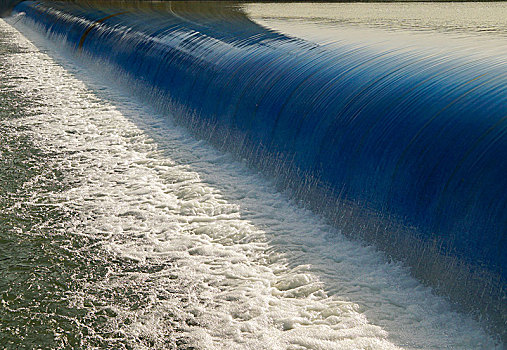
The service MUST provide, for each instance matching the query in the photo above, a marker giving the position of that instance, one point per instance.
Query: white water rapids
(222, 257)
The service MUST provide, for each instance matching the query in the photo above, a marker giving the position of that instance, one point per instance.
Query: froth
(213, 257)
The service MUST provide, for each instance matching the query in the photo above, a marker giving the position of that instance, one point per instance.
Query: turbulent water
(120, 230)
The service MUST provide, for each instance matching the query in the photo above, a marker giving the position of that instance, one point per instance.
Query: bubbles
(203, 252)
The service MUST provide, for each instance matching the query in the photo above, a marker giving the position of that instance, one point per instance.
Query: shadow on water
(399, 148)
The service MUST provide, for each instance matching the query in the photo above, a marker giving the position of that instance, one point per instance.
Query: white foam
(221, 259)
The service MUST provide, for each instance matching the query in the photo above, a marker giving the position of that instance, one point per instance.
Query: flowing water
(120, 230)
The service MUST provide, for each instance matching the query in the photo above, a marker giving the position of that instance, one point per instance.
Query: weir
(401, 147)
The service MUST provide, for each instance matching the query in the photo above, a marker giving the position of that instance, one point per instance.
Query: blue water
(405, 143)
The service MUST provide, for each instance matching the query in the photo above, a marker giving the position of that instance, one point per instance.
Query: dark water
(37, 266)
(46, 258)
(42, 266)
